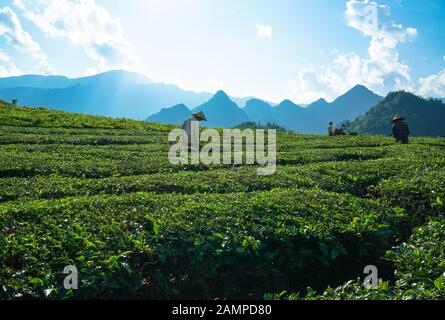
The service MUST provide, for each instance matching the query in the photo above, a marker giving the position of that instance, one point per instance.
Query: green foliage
(40, 117)
(425, 117)
(100, 193)
(420, 271)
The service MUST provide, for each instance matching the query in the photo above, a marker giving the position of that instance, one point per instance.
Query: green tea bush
(100, 194)
(422, 194)
(419, 274)
(277, 238)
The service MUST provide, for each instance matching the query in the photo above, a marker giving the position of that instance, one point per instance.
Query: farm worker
(340, 131)
(331, 129)
(400, 129)
(187, 125)
(343, 129)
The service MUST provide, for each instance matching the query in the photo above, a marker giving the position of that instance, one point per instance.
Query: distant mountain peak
(319, 105)
(321, 101)
(257, 109)
(357, 92)
(220, 99)
(178, 106)
(220, 94)
(176, 114)
(222, 112)
(255, 100)
(288, 103)
(360, 87)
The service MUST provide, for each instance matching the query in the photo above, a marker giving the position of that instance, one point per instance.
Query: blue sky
(296, 49)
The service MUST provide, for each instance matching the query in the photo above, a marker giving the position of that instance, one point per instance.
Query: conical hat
(200, 115)
(397, 117)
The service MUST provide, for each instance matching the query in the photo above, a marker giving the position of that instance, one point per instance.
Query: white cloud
(85, 24)
(17, 38)
(381, 70)
(263, 31)
(9, 71)
(7, 66)
(311, 84)
(412, 32)
(4, 57)
(433, 85)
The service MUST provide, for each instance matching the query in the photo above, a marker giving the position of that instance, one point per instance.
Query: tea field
(100, 194)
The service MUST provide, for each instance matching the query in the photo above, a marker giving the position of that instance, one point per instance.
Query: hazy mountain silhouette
(321, 105)
(131, 95)
(315, 116)
(353, 103)
(293, 117)
(221, 112)
(425, 117)
(36, 81)
(259, 111)
(311, 119)
(110, 78)
(348, 106)
(174, 115)
(115, 93)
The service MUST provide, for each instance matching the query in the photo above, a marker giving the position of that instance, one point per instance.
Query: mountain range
(349, 106)
(131, 95)
(114, 93)
(222, 112)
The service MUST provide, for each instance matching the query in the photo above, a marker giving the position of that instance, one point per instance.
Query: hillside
(221, 112)
(425, 117)
(174, 115)
(99, 193)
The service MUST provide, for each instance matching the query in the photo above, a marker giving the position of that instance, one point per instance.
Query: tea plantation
(100, 194)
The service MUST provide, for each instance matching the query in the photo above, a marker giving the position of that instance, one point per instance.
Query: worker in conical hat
(195, 119)
(200, 116)
(400, 129)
